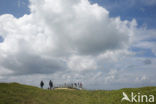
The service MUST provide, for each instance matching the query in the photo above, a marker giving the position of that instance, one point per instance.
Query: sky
(105, 44)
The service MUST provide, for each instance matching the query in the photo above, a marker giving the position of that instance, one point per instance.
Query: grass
(14, 93)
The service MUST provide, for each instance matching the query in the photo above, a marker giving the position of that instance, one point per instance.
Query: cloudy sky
(103, 44)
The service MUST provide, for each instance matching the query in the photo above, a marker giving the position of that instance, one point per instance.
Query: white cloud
(57, 29)
(80, 63)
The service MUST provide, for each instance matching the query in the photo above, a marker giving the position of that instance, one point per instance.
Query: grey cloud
(147, 62)
(100, 40)
(32, 64)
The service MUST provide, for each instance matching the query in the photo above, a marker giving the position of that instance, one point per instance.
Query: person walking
(42, 84)
(50, 84)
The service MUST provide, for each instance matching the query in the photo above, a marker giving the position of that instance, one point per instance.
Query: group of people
(71, 85)
(77, 85)
(50, 84)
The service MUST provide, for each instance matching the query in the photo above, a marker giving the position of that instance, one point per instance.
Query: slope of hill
(15, 93)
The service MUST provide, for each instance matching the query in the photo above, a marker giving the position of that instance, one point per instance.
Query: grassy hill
(14, 93)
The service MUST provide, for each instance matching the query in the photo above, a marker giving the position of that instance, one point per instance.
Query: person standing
(80, 85)
(42, 84)
(50, 84)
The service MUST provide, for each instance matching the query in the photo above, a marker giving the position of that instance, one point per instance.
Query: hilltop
(14, 93)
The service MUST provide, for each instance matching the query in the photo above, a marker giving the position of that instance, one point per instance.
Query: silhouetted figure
(80, 85)
(42, 84)
(72, 85)
(50, 84)
(65, 85)
(75, 84)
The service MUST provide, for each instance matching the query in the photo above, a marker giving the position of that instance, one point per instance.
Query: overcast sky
(103, 44)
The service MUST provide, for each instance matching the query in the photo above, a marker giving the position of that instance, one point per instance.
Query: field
(14, 93)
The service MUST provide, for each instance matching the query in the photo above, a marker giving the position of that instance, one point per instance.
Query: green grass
(14, 93)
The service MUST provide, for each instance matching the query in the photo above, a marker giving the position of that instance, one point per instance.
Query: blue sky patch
(128, 9)
(15, 7)
(142, 52)
(1, 39)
